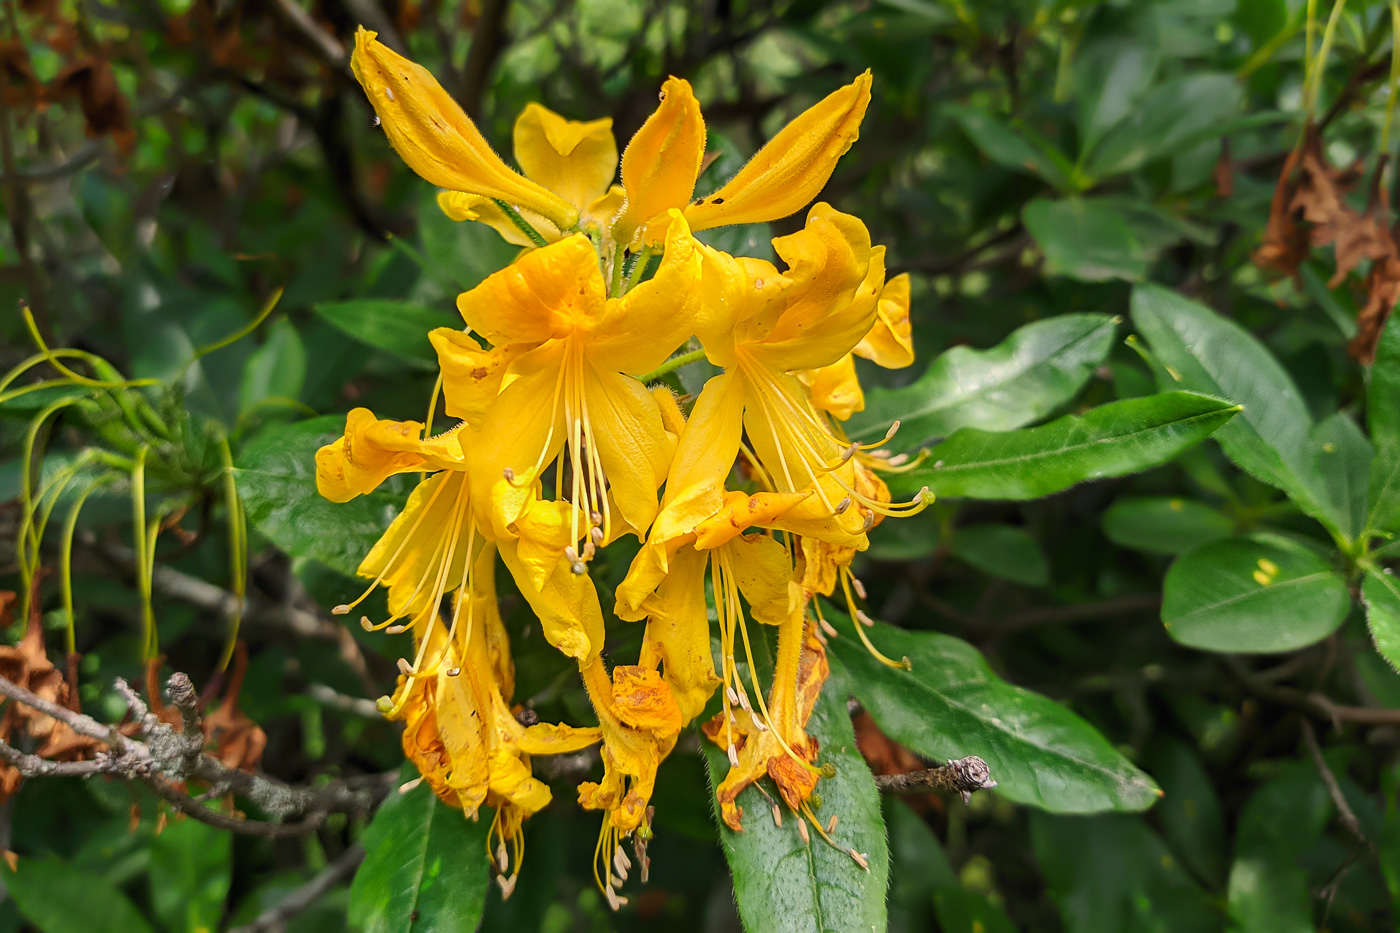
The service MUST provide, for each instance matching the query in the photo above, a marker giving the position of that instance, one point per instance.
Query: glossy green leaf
(276, 474)
(1163, 524)
(1085, 239)
(1112, 874)
(1283, 818)
(951, 704)
(1010, 148)
(1383, 419)
(276, 370)
(1176, 114)
(785, 886)
(963, 911)
(907, 539)
(1111, 76)
(59, 898)
(1203, 352)
(459, 254)
(918, 868)
(425, 866)
(398, 327)
(1381, 593)
(1260, 594)
(1268, 893)
(1040, 367)
(1114, 439)
(1343, 462)
(1003, 551)
(190, 873)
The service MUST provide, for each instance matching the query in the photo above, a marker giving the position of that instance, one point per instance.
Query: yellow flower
(836, 389)
(438, 141)
(577, 161)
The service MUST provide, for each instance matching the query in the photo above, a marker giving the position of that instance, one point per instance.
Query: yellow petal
(544, 294)
(544, 529)
(636, 333)
(835, 388)
(413, 553)
(763, 570)
(742, 511)
(438, 141)
(793, 167)
(471, 375)
(890, 342)
(662, 161)
(605, 209)
(546, 738)
(703, 458)
(567, 606)
(373, 450)
(458, 205)
(733, 291)
(678, 634)
(630, 441)
(577, 161)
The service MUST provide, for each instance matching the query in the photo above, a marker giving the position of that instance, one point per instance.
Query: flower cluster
(562, 448)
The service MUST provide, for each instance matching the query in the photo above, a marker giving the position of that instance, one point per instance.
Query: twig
(488, 38)
(325, 46)
(1345, 814)
(274, 919)
(1315, 704)
(961, 776)
(355, 706)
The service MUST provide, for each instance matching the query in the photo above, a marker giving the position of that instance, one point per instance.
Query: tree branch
(274, 920)
(962, 776)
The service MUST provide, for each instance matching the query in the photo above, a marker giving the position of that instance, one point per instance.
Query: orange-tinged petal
(577, 161)
(458, 205)
(544, 294)
(678, 633)
(793, 167)
(742, 511)
(567, 606)
(662, 161)
(890, 342)
(642, 700)
(438, 141)
(638, 331)
(546, 738)
(835, 388)
(372, 450)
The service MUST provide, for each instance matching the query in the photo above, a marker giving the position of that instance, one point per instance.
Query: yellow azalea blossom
(461, 732)
(836, 388)
(562, 349)
(437, 140)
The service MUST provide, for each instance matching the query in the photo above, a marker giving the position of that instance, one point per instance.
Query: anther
(502, 860)
(385, 705)
(409, 785)
(869, 522)
(595, 535)
(831, 826)
(864, 619)
(396, 629)
(589, 550)
(733, 697)
(843, 505)
(827, 627)
(595, 517)
(509, 474)
(619, 865)
(614, 881)
(340, 610)
(777, 816)
(570, 554)
(858, 587)
(733, 756)
(507, 885)
(453, 671)
(802, 831)
(898, 460)
(828, 770)
(861, 860)
(849, 452)
(404, 667)
(893, 428)
(366, 624)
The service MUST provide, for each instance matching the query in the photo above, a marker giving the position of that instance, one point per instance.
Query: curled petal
(471, 375)
(890, 342)
(662, 161)
(373, 450)
(742, 511)
(543, 294)
(458, 205)
(575, 160)
(835, 388)
(793, 167)
(438, 141)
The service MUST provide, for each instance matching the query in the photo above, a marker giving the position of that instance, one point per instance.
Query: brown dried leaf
(237, 741)
(92, 81)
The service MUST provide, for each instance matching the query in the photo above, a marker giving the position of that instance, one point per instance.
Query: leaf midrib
(1060, 451)
(1251, 594)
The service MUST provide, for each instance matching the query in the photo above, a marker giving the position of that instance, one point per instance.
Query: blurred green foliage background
(170, 164)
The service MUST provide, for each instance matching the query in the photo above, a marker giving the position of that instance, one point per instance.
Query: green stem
(673, 364)
(521, 222)
(639, 268)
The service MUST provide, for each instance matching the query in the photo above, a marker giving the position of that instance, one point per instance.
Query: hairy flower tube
(749, 501)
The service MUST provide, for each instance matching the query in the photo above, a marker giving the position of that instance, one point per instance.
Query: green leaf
(1268, 893)
(1121, 437)
(782, 884)
(1003, 551)
(191, 869)
(951, 705)
(907, 539)
(1381, 594)
(1259, 594)
(1203, 352)
(276, 474)
(1284, 818)
(1175, 115)
(59, 898)
(1009, 148)
(459, 254)
(276, 370)
(424, 869)
(1111, 76)
(398, 327)
(1112, 874)
(1024, 378)
(1383, 419)
(1163, 524)
(1085, 239)
(1343, 462)
(918, 867)
(962, 911)
(1190, 813)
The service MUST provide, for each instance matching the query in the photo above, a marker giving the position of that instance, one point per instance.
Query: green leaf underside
(1381, 593)
(276, 474)
(425, 866)
(951, 705)
(784, 886)
(1112, 440)
(1024, 378)
(1212, 600)
(61, 898)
